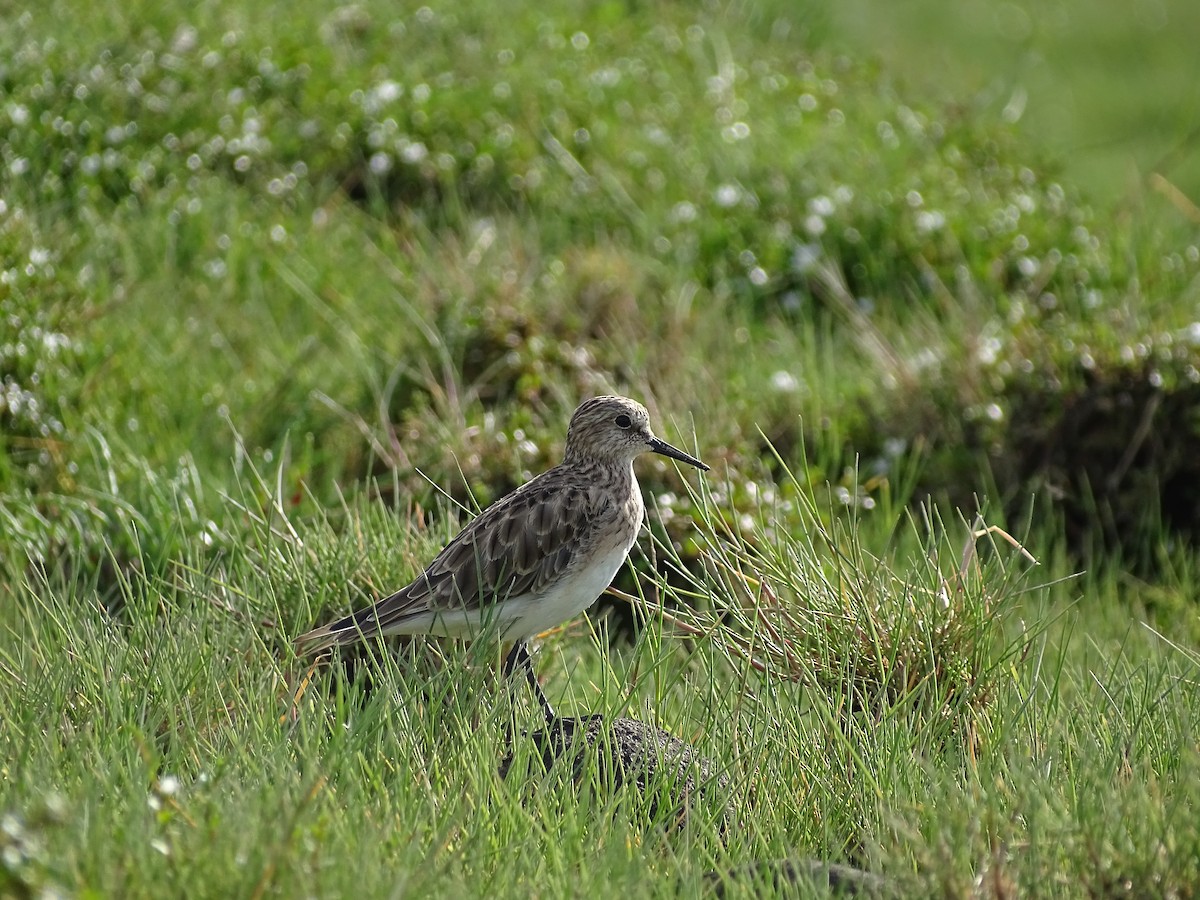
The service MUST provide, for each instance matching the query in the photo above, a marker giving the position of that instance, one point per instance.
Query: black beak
(675, 453)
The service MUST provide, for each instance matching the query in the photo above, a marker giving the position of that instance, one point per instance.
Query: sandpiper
(535, 557)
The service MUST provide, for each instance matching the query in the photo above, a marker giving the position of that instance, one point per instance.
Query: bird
(536, 557)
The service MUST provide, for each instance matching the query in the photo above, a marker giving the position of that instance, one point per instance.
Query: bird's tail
(346, 630)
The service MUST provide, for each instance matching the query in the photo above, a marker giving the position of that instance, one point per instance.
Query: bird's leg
(519, 656)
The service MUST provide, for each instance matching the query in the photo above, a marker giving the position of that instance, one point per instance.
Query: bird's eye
(623, 421)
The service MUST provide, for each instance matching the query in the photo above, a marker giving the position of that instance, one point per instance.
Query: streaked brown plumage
(537, 556)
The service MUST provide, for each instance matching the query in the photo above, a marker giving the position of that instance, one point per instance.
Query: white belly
(516, 618)
(531, 615)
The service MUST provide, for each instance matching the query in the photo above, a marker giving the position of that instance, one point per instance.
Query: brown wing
(518, 545)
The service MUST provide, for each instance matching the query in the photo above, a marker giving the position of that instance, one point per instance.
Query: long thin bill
(666, 449)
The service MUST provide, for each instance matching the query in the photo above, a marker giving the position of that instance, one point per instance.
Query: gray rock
(658, 764)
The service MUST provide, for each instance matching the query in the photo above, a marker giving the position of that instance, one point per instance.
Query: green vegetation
(1105, 86)
(270, 274)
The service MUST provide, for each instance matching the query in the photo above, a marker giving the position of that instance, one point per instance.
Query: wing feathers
(518, 546)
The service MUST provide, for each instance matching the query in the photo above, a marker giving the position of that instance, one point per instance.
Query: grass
(939, 728)
(286, 297)
(1060, 71)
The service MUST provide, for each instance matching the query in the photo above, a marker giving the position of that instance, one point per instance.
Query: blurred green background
(1110, 89)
